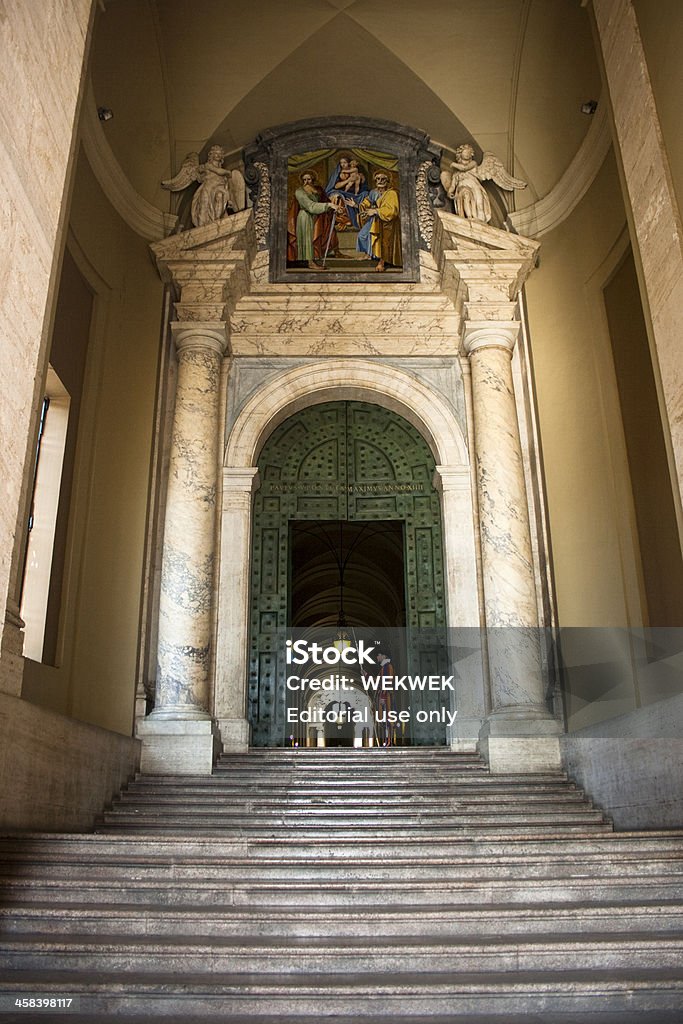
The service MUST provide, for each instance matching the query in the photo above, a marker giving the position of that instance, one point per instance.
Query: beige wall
(655, 512)
(58, 774)
(584, 457)
(43, 50)
(104, 561)
(593, 516)
(661, 28)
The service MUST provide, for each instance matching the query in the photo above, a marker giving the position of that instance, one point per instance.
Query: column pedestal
(178, 746)
(235, 734)
(526, 745)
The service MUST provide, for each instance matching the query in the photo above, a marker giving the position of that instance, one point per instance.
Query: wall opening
(347, 570)
(42, 520)
(656, 527)
(46, 560)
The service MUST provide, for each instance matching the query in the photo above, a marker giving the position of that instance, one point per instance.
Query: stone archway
(310, 384)
(363, 380)
(353, 464)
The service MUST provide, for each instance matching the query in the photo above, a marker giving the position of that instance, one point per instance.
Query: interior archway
(347, 570)
(346, 531)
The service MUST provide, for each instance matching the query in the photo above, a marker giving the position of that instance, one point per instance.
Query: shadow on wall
(624, 703)
(60, 772)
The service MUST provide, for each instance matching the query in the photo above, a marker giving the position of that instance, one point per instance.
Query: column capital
(193, 334)
(208, 267)
(240, 482)
(452, 478)
(482, 267)
(478, 335)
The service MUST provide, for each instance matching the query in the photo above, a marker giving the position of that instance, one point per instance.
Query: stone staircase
(347, 885)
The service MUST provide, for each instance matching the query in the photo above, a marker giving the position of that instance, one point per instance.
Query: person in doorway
(385, 730)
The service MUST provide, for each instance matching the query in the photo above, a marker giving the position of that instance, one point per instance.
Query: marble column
(179, 735)
(230, 707)
(520, 733)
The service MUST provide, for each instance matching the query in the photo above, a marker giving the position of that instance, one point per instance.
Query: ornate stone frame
(272, 149)
(481, 270)
(310, 384)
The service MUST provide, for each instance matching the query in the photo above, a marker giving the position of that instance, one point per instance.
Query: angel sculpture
(463, 182)
(220, 189)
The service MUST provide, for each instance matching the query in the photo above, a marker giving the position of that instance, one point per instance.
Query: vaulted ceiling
(511, 74)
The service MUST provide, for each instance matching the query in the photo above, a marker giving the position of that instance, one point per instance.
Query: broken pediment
(481, 265)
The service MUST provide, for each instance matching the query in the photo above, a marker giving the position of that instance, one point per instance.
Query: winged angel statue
(463, 183)
(220, 189)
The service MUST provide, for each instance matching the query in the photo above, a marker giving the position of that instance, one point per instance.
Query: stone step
(401, 753)
(368, 767)
(388, 997)
(379, 759)
(428, 782)
(369, 757)
(358, 814)
(356, 895)
(360, 770)
(623, 1016)
(351, 801)
(363, 771)
(328, 871)
(398, 920)
(478, 789)
(361, 780)
(355, 764)
(371, 885)
(291, 955)
(320, 826)
(376, 756)
(621, 845)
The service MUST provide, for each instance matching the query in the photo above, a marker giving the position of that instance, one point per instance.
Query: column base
(464, 746)
(464, 734)
(519, 746)
(178, 746)
(234, 734)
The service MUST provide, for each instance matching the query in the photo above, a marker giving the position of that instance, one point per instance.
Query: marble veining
(507, 561)
(186, 584)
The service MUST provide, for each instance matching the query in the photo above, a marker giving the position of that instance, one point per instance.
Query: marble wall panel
(443, 375)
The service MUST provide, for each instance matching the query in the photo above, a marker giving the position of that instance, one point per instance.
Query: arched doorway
(342, 479)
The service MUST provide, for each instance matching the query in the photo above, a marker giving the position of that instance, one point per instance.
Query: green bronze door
(348, 461)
